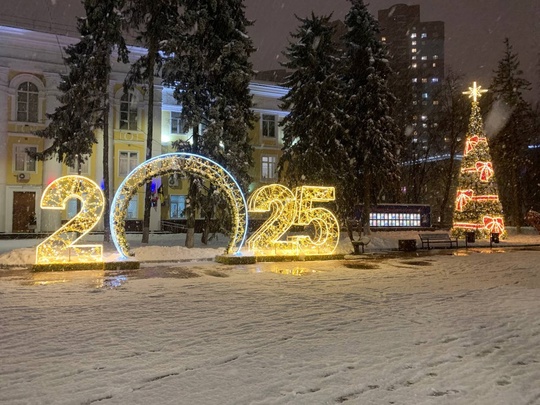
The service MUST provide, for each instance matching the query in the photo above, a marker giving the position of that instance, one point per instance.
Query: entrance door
(24, 206)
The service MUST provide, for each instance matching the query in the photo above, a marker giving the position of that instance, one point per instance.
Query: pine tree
(151, 21)
(314, 136)
(374, 136)
(210, 71)
(477, 206)
(85, 97)
(510, 144)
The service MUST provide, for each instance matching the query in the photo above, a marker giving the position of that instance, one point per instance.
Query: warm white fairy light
(290, 208)
(60, 246)
(178, 163)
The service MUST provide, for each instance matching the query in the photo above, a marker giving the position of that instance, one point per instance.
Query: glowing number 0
(60, 246)
(293, 208)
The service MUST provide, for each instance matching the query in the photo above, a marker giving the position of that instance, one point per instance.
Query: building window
(434, 80)
(84, 167)
(177, 206)
(415, 80)
(23, 162)
(383, 39)
(424, 80)
(424, 57)
(269, 125)
(424, 95)
(435, 102)
(132, 211)
(423, 117)
(413, 50)
(176, 123)
(127, 162)
(434, 64)
(435, 56)
(413, 57)
(128, 112)
(424, 35)
(413, 35)
(27, 102)
(268, 167)
(413, 43)
(414, 65)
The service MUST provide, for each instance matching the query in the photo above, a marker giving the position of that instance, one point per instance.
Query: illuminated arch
(173, 163)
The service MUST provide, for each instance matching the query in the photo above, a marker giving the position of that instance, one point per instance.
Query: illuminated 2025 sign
(289, 208)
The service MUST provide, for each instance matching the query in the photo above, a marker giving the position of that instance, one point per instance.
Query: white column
(50, 219)
(3, 145)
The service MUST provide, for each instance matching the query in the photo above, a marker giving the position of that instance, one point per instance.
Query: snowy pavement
(461, 327)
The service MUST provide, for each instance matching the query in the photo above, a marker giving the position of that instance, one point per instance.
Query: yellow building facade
(31, 63)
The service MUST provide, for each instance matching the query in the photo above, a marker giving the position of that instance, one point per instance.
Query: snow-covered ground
(460, 327)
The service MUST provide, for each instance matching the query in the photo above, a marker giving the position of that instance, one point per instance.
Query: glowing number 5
(293, 208)
(60, 246)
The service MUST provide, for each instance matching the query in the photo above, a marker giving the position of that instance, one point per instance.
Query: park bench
(430, 239)
(354, 226)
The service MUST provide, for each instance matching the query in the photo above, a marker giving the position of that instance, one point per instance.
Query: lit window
(435, 56)
(424, 79)
(423, 117)
(128, 112)
(424, 57)
(424, 125)
(176, 123)
(434, 80)
(413, 35)
(413, 50)
(413, 57)
(84, 167)
(415, 80)
(127, 162)
(414, 65)
(23, 162)
(413, 43)
(434, 64)
(27, 102)
(435, 102)
(269, 125)
(424, 95)
(268, 167)
(415, 102)
(383, 39)
(177, 206)
(424, 35)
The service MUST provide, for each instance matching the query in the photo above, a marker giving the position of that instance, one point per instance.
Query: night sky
(475, 29)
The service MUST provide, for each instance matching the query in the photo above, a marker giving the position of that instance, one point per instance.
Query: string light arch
(179, 162)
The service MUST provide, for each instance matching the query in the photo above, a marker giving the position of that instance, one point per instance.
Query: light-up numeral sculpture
(290, 208)
(179, 163)
(60, 246)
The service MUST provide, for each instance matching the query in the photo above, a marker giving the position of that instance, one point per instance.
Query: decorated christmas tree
(477, 208)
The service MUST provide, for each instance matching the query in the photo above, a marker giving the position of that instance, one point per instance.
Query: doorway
(24, 207)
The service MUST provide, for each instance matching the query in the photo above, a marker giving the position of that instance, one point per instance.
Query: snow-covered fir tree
(210, 71)
(509, 146)
(150, 21)
(84, 91)
(314, 135)
(375, 139)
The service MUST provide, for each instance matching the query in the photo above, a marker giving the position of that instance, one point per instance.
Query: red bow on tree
(463, 197)
(494, 225)
(485, 169)
(472, 142)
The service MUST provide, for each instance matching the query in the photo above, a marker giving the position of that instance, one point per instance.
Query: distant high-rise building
(416, 49)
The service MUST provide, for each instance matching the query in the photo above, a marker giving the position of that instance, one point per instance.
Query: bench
(429, 239)
(357, 244)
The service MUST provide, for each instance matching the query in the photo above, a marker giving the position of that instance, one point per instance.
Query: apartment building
(30, 66)
(417, 55)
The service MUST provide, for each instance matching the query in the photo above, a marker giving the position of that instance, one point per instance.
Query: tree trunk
(149, 141)
(106, 177)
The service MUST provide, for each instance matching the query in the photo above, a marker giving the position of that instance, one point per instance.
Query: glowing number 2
(293, 208)
(60, 246)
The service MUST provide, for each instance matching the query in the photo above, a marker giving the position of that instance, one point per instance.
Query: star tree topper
(475, 92)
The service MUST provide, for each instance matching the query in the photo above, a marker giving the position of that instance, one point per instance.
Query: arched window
(128, 112)
(27, 102)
